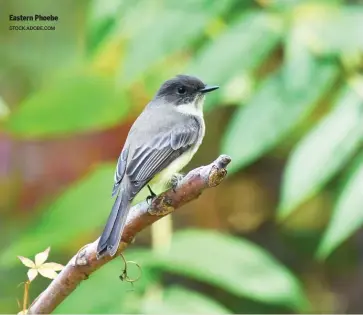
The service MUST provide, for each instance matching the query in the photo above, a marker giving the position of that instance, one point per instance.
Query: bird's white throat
(195, 108)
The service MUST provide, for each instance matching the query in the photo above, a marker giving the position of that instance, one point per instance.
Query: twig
(141, 216)
(26, 296)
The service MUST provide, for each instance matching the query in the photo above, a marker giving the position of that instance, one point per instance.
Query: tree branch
(141, 216)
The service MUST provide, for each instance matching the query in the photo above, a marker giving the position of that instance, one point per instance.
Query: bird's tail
(111, 235)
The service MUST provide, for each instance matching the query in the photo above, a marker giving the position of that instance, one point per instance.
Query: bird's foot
(175, 181)
(151, 196)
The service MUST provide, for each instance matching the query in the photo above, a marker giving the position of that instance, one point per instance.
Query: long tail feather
(111, 235)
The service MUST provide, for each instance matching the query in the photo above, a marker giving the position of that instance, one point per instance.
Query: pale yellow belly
(163, 178)
(161, 181)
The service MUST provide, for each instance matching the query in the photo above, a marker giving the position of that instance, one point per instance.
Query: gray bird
(162, 140)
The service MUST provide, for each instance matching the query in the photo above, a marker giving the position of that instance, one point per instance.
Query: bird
(161, 141)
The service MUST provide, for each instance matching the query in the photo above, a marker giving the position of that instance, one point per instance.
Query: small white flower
(47, 270)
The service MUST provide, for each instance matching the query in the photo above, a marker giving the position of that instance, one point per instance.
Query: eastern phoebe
(162, 140)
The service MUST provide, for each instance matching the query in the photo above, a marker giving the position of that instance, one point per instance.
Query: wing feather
(153, 157)
(120, 170)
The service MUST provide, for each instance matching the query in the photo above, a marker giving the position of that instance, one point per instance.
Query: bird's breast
(163, 178)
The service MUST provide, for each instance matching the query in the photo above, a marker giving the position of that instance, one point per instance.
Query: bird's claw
(149, 199)
(151, 196)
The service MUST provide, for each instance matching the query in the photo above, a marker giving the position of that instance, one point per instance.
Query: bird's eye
(181, 90)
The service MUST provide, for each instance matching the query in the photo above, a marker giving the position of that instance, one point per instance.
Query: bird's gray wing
(152, 157)
(120, 169)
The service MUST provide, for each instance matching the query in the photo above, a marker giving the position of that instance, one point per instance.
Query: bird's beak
(208, 89)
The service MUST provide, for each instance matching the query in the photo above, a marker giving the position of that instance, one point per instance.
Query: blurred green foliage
(337, 135)
(51, 222)
(71, 105)
(347, 215)
(245, 271)
(290, 69)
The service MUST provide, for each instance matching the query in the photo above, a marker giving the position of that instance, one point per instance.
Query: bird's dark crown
(181, 85)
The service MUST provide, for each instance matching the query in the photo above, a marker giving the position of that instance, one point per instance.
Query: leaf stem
(26, 296)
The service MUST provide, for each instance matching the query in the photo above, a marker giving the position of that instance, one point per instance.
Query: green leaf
(80, 209)
(299, 63)
(4, 109)
(260, 32)
(283, 4)
(323, 152)
(170, 34)
(102, 20)
(271, 114)
(347, 214)
(213, 9)
(290, 5)
(177, 300)
(335, 29)
(235, 265)
(178, 24)
(76, 104)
